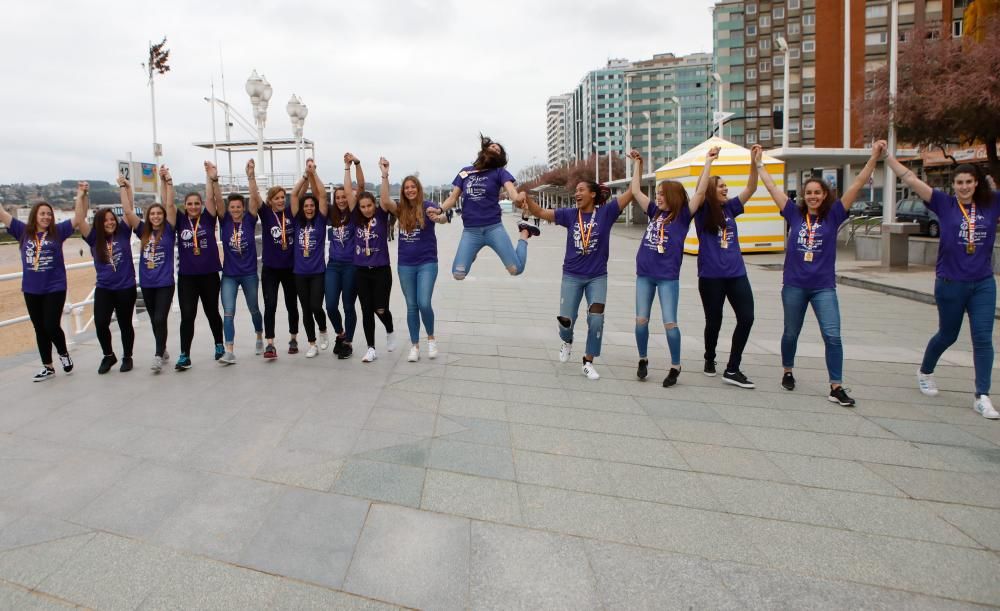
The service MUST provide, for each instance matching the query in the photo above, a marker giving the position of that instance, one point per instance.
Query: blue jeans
(229, 286)
(574, 288)
(954, 299)
(417, 282)
(669, 292)
(827, 309)
(340, 286)
(494, 236)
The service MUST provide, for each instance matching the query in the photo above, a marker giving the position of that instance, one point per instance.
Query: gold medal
(659, 248)
(150, 264)
(725, 244)
(970, 249)
(368, 252)
(808, 256)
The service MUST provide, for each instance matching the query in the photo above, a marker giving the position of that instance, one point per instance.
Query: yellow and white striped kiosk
(761, 227)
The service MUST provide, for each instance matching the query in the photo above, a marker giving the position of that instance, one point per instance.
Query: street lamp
(260, 93)
(297, 112)
(786, 113)
(649, 136)
(718, 99)
(677, 101)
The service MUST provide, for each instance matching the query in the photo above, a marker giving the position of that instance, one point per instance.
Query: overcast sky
(414, 81)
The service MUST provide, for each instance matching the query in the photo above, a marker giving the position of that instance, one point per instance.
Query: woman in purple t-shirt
(658, 265)
(110, 240)
(156, 258)
(341, 275)
(43, 279)
(809, 272)
(479, 185)
(965, 281)
(418, 257)
(237, 231)
(309, 267)
(585, 266)
(721, 272)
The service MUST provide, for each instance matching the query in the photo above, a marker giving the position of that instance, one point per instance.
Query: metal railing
(868, 224)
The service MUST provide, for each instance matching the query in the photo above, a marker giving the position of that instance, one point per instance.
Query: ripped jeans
(669, 292)
(574, 288)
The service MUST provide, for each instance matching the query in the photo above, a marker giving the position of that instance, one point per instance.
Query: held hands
(82, 187)
(122, 182)
(310, 167)
(211, 171)
(164, 175)
(434, 214)
(251, 166)
(635, 156)
(713, 154)
(756, 154)
(383, 164)
(879, 148)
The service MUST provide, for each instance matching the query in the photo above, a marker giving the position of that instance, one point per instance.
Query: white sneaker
(43, 375)
(927, 384)
(369, 356)
(564, 352)
(390, 342)
(324, 341)
(414, 354)
(157, 364)
(984, 407)
(432, 348)
(590, 372)
(312, 352)
(166, 356)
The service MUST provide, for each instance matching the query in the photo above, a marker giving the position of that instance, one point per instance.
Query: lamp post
(889, 209)
(648, 116)
(297, 112)
(260, 93)
(677, 101)
(718, 98)
(785, 111)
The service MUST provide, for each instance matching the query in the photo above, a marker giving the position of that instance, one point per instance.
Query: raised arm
(452, 199)
(751, 187)
(546, 214)
(349, 192)
(255, 199)
(511, 190)
(82, 204)
(127, 201)
(297, 192)
(359, 173)
(636, 185)
(213, 192)
(167, 195)
(699, 193)
(779, 196)
(318, 188)
(922, 189)
(384, 199)
(624, 199)
(5, 217)
(851, 194)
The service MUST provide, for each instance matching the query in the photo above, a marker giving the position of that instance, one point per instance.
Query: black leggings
(192, 288)
(714, 292)
(310, 290)
(374, 285)
(121, 303)
(157, 301)
(270, 279)
(46, 314)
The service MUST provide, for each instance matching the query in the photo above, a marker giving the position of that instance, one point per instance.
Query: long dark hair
(982, 194)
(337, 216)
(147, 226)
(488, 160)
(300, 216)
(411, 212)
(100, 236)
(676, 197)
(715, 219)
(31, 227)
(357, 216)
(601, 192)
(828, 198)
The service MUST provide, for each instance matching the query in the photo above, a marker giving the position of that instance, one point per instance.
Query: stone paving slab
(497, 477)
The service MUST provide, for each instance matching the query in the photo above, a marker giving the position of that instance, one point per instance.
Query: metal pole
(785, 100)
(680, 146)
(156, 146)
(628, 125)
(649, 140)
(215, 150)
(847, 76)
(889, 211)
(719, 106)
(260, 143)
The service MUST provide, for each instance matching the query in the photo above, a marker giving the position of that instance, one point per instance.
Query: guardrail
(866, 223)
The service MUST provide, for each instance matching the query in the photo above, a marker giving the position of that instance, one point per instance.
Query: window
(876, 39)
(809, 19)
(779, 60)
(793, 103)
(765, 44)
(751, 95)
(808, 99)
(779, 12)
(751, 73)
(906, 8)
(751, 52)
(793, 127)
(765, 21)
(808, 125)
(765, 66)
(809, 46)
(751, 137)
(751, 30)
(808, 72)
(794, 28)
(956, 28)
(751, 9)
(779, 83)
(877, 11)
(765, 89)
(794, 5)
(794, 53)
(932, 6)
(765, 134)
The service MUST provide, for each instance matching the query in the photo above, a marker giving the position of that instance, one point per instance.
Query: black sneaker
(671, 378)
(44, 374)
(338, 345)
(126, 364)
(107, 363)
(67, 363)
(642, 371)
(345, 351)
(788, 381)
(293, 346)
(736, 378)
(839, 395)
(531, 229)
(710, 368)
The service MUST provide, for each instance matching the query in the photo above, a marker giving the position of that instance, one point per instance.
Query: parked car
(865, 209)
(914, 210)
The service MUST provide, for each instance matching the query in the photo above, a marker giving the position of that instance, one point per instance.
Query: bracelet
(385, 176)
(170, 182)
(215, 180)
(908, 173)
(356, 162)
(122, 187)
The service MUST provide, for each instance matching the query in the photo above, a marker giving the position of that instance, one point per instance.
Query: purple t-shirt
(371, 240)
(310, 238)
(481, 191)
(119, 273)
(239, 245)
(42, 258)
(811, 249)
(342, 241)
(160, 250)
(954, 262)
(420, 245)
(714, 259)
(207, 259)
(271, 224)
(597, 228)
(664, 263)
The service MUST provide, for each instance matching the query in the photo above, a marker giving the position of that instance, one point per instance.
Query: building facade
(727, 56)
(558, 127)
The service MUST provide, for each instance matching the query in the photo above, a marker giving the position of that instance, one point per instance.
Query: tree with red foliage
(580, 171)
(948, 93)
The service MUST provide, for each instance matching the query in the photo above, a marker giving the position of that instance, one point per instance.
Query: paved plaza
(496, 477)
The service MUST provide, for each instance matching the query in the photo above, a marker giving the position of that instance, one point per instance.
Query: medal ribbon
(281, 223)
(111, 254)
(585, 233)
(811, 231)
(970, 220)
(38, 250)
(194, 233)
